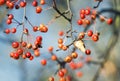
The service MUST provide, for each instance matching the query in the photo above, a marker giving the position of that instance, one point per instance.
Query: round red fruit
(43, 62)
(82, 11)
(10, 16)
(82, 16)
(24, 44)
(31, 57)
(2, 2)
(22, 4)
(87, 11)
(42, 2)
(7, 31)
(61, 33)
(35, 28)
(61, 73)
(79, 22)
(38, 9)
(15, 44)
(90, 33)
(95, 37)
(39, 38)
(35, 3)
(10, 5)
(13, 30)
(50, 49)
(9, 21)
(16, 56)
(28, 54)
(87, 51)
(20, 51)
(109, 21)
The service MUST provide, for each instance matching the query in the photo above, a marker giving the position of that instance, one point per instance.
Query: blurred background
(107, 48)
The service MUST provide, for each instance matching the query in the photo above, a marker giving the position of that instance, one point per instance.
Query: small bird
(80, 45)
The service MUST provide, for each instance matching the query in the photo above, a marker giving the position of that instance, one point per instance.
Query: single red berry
(23, 56)
(2, 2)
(82, 16)
(15, 44)
(87, 11)
(31, 57)
(7, 3)
(87, 51)
(35, 28)
(20, 51)
(13, 30)
(10, 16)
(61, 33)
(10, 5)
(24, 44)
(7, 31)
(61, 73)
(9, 21)
(54, 57)
(81, 35)
(93, 17)
(36, 52)
(28, 54)
(42, 2)
(79, 22)
(109, 21)
(16, 56)
(38, 9)
(22, 4)
(90, 33)
(82, 11)
(43, 62)
(37, 43)
(95, 37)
(87, 21)
(26, 31)
(39, 38)
(35, 3)
(50, 49)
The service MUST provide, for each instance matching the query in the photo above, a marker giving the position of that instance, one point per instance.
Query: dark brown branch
(57, 10)
(109, 10)
(54, 4)
(99, 1)
(69, 20)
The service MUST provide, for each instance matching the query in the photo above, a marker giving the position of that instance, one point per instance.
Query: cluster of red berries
(9, 20)
(84, 15)
(12, 30)
(87, 15)
(15, 4)
(72, 56)
(62, 74)
(38, 8)
(75, 66)
(22, 49)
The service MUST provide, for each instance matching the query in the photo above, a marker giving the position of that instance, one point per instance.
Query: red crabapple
(15, 44)
(43, 62)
